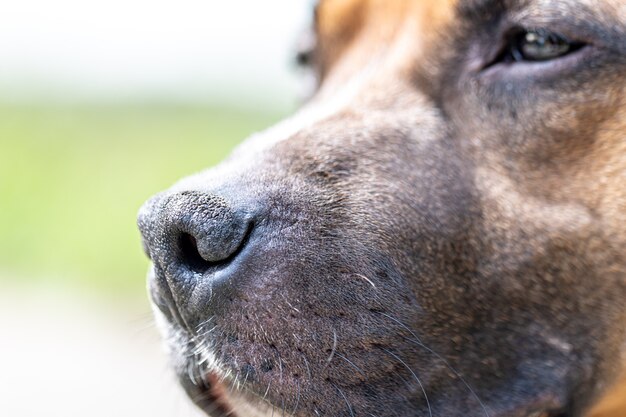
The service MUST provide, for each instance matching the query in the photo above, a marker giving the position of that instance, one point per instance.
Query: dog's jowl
(439, 231)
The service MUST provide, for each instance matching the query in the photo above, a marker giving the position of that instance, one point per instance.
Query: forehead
(335, 14)
(354, 33)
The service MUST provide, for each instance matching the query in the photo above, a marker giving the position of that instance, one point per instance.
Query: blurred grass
(72, 178)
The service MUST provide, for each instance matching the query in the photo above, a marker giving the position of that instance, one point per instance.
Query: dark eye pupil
(535, 45)
(539, 46)
(303, 58)
(305, 53)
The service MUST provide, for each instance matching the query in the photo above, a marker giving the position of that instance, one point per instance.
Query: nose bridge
(324, 120)
(376, 86)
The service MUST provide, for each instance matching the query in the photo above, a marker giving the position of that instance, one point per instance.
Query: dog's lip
(211, 395)
(170, 310)
(219, 396)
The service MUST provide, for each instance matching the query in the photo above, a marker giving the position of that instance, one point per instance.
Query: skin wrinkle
(430, 238)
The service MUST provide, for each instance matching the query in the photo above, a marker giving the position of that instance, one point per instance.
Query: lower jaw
(215, 397)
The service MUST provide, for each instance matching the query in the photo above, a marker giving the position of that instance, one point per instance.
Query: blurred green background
(104, 103)
(72, 178)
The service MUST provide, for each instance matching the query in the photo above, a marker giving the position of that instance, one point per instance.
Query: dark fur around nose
(190, 236)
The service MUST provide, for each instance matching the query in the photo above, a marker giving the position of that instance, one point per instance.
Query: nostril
(193, 254)
(190, 255)
(189, 233)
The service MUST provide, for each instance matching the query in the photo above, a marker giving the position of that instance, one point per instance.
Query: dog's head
(440, 231)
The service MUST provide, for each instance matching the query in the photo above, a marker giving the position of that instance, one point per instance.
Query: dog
(439, 231)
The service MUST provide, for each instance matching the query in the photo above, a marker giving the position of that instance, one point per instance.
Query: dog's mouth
(210, 394)
(227, 374)
(212, 391)
(220, 389)
(219, 396)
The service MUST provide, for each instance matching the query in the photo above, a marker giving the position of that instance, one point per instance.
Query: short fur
(431, 238)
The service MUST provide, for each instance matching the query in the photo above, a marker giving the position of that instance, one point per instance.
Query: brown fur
(430, 236)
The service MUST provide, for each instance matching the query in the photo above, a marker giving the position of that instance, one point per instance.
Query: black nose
(194, 230)
(189, 236)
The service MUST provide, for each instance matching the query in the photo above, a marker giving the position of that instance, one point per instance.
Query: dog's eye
(306, 50)
(538, 45)
(304, 58)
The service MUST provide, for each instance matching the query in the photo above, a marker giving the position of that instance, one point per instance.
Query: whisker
(292, 307)
(332, 352)
(401, 324)
(246, 377)
(232, 384)
(297, 400)
(345, 399)
(191, 373)
(267, 390)
(351, 363)
(204, 323)
(430, 411)
(418, 342)
(458, 375)
(280, 368)
(363, 277)
(226, 376)
(306, 364)
(207, 332)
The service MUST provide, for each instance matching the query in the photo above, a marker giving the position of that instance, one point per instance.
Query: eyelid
(579, 31)
(534, 72)
(511, 36)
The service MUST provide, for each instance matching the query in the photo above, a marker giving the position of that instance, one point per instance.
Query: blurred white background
(112, 49)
